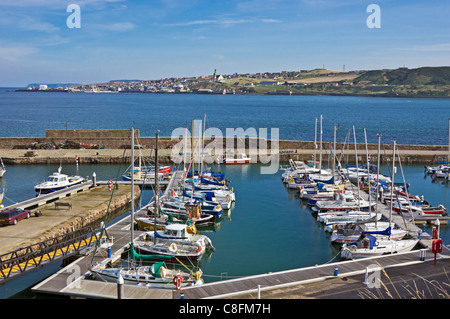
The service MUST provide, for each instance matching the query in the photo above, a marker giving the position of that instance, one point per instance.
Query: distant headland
(401, 82)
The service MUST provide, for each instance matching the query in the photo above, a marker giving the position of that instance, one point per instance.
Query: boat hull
(394, 247)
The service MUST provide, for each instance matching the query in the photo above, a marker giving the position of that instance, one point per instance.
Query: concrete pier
(87, 208)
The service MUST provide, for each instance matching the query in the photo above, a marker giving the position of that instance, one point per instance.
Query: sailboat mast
(156, 184)
(378, 176)
(368, 169)
(315, 143)
(192, 152)
(320, 154)
(132, 185)
(185, 149)
(357, 174)
(203, 144)
(334, 154)
(392, 186)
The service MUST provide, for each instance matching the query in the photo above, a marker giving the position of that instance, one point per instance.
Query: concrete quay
(88, 208)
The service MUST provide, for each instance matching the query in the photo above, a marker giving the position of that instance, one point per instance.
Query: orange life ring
(177, 281)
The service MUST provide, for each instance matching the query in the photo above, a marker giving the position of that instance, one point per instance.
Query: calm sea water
(269, 229)
(409, 121)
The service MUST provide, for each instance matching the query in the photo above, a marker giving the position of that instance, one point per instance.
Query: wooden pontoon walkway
(47, 198)
(303, 276)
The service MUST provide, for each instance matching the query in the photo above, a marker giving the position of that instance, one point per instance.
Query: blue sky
(138, 39)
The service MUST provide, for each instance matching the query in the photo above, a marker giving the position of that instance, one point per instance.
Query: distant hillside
(405, 76)
(126, 81)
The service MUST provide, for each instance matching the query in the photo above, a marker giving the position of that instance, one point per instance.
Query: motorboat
(240, 158)
(58, 181)
(408, 208)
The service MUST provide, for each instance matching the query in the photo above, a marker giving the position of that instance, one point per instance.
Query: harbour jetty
(88, 206)
(113, 147)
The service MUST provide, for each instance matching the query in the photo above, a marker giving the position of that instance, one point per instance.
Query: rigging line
(143, 182)
(184, 265)
(216, 276)
(333, 257)
(5, 197)
(406, 191)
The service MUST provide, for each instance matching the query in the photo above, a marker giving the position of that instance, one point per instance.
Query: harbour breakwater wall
(114, 146)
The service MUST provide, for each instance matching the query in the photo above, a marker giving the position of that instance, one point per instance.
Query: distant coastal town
(420, 82)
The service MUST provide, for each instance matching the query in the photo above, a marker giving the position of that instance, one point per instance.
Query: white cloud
(16, 52)
(52, 3)
(270, 21)
(219, 57)
(35, 25)
(226, 22)
(115, 27)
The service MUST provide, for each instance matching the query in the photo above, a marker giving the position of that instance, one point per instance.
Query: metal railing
(37, 255)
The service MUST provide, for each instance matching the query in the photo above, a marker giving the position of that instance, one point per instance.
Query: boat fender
(173, 247)
(352, 247)
(228, 198)
(163, 272)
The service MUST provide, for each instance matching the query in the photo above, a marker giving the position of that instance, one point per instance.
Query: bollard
(366, 278)
(120, 287)
(422, 254)
(109, 251)
(181, 295)
(94, 179)
(258, 296)
(336, 270)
